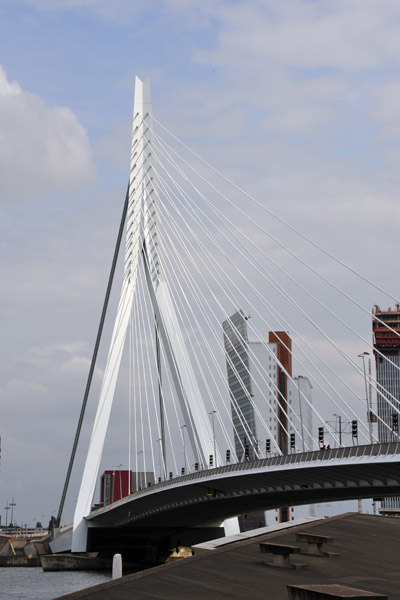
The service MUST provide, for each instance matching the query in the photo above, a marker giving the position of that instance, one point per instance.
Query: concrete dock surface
(365, 554)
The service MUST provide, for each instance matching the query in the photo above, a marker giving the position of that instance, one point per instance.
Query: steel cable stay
(350, 389)
(267, 325)
(193, 317)
(284, 247)
(359, 370)
(210, 310)
(170, 385)
(182, 308)
(216, 332)
(249, 242)
(160, 387)
(143, 343)
(189, 415)
(171, 219)
(215, 361)
(385, 424)
(130, 402)
(147, 360)
(219, 248)
(302, 394)
(276, 216)
(141, 450)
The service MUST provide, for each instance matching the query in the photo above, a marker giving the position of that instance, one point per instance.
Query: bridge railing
(301, 457)
(23, 532)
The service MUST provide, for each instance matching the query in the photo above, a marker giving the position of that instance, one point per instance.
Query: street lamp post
(139, 482)
(212, 413)
(183, 427)
(300, 412)
(162, 475)
(339, 428)
(120, 480)
(7, 508)
(363, 355)
(12, 504)
(112, 483)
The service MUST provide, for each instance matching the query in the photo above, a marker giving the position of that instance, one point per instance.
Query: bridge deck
(206, 496)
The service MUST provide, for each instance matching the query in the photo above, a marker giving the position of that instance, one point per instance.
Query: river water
(32, 583)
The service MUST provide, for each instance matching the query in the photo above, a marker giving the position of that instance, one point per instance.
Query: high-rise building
(264, 394)
(236, 344)
(387, 375)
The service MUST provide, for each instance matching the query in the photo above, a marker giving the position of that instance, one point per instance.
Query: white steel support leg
(142, 240)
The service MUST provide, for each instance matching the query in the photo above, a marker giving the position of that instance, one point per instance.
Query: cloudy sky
(297, 101)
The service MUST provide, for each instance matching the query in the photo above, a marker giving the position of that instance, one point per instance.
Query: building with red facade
(385, 327)
(115, 484)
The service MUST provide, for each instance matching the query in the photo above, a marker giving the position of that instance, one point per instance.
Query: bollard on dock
(117, 566)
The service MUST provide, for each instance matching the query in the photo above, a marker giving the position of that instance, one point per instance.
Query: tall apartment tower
(236, 344)
(263, 392)
(387, 376)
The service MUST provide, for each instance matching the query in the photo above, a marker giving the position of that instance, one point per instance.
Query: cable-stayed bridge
(214, 412)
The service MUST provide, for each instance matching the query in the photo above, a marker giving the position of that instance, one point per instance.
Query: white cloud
(42, 149)
(306, 68)
(300, 34)
(16, 390)
(70, 348)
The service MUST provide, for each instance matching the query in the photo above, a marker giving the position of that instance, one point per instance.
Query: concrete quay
(367, 564)
(18, 551)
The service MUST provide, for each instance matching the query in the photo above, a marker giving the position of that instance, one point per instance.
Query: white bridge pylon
(143, 243)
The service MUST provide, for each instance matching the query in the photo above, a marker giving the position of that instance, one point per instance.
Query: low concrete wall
(22, 552)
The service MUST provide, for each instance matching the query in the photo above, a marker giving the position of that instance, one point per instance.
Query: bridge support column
(80, 537)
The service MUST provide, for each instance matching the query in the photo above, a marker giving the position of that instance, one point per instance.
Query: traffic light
(211, 461)
(321, 435)
(196, 466)
(267, 446)
(354, 429)
(395, 421)
(246, 452)
(292, 440)
(171, 474)
(183, 471)
(228, 457)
